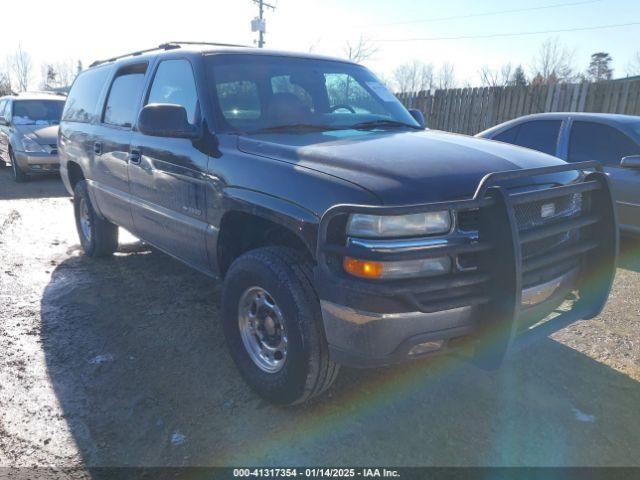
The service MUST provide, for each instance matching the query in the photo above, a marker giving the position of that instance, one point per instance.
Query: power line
(513, 34)
(487, 14)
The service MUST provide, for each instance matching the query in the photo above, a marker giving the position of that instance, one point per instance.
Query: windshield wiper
(383, 123)
(295, 127)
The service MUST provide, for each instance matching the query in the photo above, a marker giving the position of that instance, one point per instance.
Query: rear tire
(98, 237)
(285, 276)
(18, 175)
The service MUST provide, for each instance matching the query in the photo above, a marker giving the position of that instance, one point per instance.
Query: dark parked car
(29, 133)
(613, 140)
(345, 232)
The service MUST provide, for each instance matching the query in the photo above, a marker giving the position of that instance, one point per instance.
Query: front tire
(18, 175)
(273, 326)
(98, 237)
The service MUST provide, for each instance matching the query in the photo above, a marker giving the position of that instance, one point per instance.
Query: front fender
(300, 221)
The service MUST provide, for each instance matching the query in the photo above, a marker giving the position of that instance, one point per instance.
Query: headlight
(31, 146)
(425, 267)
(416, 224)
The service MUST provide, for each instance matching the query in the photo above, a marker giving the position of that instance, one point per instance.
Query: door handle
(135, 157)
(97, 148)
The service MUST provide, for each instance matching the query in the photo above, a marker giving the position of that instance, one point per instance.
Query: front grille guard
(496, 286)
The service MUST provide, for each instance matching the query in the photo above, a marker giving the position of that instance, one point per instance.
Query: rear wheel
(99, 238)
(273, 326)
(18, 175)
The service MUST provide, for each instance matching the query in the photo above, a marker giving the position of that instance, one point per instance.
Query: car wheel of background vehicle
(18, 175)
(273, 326)
(99, 238)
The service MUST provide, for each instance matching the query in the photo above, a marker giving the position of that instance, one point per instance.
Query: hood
(404, 168)
(44, 135)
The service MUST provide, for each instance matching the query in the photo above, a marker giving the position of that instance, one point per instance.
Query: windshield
(37, 112)
(262, 92)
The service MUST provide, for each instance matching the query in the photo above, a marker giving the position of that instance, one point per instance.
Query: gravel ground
(121, 362)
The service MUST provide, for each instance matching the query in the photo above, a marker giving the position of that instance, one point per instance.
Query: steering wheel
(341, 105)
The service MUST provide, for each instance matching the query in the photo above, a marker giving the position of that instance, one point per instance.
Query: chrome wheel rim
(85, 219)
(262, 329)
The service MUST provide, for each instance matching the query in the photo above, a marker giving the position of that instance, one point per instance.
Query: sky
(69, 30)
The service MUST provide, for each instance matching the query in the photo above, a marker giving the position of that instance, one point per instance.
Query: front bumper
(498, 304)
(37, 162)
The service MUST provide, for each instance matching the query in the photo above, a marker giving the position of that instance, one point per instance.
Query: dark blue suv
(344, 231)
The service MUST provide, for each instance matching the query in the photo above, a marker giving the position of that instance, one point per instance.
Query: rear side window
(174, 84)
(3, 103)
(508, 136)
(122, 102)
(541, 135)
(595, 141)
(82, 101)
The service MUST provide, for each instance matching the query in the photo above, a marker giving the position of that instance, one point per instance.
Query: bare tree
(20, 67)
(360, 51)
(446, 76)
(415, 76)
(58, 76)
(496, 78)
(633, 67)
(5, 84)
(553, 63)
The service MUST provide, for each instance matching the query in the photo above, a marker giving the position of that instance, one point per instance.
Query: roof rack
(164, 46)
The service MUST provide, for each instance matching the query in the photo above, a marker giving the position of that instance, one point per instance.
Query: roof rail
(215, 44)
(164, 46)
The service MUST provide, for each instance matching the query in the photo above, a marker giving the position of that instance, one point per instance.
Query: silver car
(611, 139)
(29, 132)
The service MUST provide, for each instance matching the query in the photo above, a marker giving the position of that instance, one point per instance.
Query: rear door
(112, 141)
(597, 141)
(167, 175)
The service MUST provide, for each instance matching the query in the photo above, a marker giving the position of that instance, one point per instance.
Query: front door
(608, 145)
(167, 175)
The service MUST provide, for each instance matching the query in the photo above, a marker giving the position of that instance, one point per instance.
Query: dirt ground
(121, 362)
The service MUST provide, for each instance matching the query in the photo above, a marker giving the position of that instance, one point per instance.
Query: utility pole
(258, 23)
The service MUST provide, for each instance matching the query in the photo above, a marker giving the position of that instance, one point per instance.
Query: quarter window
(124, 95)
(595, 141)
(174, 84)
(82, 101)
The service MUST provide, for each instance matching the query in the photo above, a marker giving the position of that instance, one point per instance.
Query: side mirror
(632, 161)
(418, 116)
(165, 120)
(4, 121)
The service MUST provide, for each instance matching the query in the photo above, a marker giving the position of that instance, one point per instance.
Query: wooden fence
(471, 110)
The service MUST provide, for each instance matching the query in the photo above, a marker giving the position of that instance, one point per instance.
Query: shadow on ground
(137, 359)
(40, 186)
(629, 253)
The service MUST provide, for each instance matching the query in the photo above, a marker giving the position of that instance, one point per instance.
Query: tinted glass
(3, 103)
(253, 92)
(508, 136)
(37, 112)
(239, 100)
(595, 141)
(122, 103)
(174, 83)
(541, 135)
(82, 101)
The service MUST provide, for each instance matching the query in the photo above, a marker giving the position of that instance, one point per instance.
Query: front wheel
(273, 326)
(98, 237)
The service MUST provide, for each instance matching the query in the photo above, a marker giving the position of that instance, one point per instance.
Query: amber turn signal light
(362, 268)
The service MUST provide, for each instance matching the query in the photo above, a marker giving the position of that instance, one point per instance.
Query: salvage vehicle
(29, 133)
(345, 232)
(611, 139)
